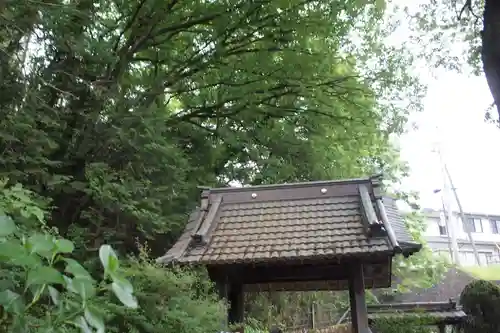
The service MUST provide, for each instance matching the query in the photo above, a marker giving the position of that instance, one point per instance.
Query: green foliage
(404, 323)
(481, 301)
(43, 289)
(113, 112)
(423, 269)
(127, 107)
(250, 329)
(171, 299)
(440, 25)
(489, 273)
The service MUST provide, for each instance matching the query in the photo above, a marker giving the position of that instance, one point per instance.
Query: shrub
(42, 288)
(172, 300)
(410, 323)
(481, 301)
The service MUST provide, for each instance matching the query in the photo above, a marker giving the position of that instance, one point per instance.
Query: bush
(43, 289)
(481, 301)
(411, 323)
(171, 300)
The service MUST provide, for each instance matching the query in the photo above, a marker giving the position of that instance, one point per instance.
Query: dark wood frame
(231, 279)
(351, 266)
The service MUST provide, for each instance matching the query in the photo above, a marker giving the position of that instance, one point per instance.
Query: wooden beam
(282, 273)
(311, 285)
(359, 312)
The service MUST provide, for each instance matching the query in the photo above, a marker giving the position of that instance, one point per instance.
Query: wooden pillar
(359, 312)
(312, 316)
(236, 305)
(442, 328)
(222, 290)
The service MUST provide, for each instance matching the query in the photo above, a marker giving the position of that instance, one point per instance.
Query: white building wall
(486, 241)
(486, 235)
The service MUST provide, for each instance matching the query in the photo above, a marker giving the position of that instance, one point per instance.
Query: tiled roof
(292, 221)
(448, 312)
(449, 286)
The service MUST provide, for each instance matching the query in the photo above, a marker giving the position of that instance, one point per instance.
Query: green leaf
(94, 320)
(84, 326)
(44, 275)
(82, 286)
(124, 283)
(7, 226)
(13, 252)
(38, 213)
(43, 244)
(54, 295)
(64, 245)
(10, 248)
(80, 186)
(108, 258)
(69, 284)
(11, 302)
(124, 295)
(78, 271)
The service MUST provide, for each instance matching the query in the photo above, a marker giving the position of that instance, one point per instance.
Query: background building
(485, 232)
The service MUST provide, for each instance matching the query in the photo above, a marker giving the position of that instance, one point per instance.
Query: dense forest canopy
(122, 109)
(114, 112)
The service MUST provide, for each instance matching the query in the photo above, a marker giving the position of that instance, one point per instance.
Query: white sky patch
(456, 105)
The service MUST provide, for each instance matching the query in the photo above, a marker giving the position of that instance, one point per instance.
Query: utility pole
(452, 232)
(446, 223)
(448, 182)
(462, 216)
(448, 209)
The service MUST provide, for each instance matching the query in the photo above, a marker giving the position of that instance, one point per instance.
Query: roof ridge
(295, 184)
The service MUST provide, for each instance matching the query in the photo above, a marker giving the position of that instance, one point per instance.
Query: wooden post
(312, 316)
(442, 328)
(359, 312)
(236, 305)
(222, 290)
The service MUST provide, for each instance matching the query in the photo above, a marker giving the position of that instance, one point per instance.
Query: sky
(456, 103)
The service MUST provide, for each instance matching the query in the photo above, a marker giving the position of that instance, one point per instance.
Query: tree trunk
(490, 53)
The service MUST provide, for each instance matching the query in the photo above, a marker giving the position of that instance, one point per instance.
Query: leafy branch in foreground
(52, 284)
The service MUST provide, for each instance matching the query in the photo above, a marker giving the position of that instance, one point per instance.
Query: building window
(442, 230)
(473, 225)
(495, 226)
(469, 258)
(493, 258)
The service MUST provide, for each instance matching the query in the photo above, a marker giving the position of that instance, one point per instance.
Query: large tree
(115, 111)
